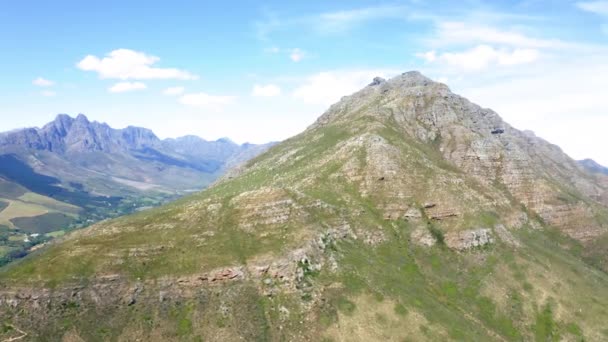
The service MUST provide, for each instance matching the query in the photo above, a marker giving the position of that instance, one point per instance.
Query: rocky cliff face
(405, 211)
(478, 142)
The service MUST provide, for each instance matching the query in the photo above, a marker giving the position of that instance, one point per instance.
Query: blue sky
(259, 71)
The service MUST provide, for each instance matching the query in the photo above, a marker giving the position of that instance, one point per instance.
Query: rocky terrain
(405, 212)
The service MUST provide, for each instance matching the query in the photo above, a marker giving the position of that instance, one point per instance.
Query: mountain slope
(404, 212)
(73, 172)
(592, 166)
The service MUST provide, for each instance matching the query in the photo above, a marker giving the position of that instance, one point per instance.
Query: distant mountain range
(74, 171)
(79, 150)
(593, 167)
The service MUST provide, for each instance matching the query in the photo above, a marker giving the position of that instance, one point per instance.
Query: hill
(404, 213)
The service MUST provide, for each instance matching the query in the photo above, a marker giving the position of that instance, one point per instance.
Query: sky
(258, 71)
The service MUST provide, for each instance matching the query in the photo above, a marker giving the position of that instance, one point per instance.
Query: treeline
(18, 248)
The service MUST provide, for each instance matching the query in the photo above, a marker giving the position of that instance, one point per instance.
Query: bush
(437, 234)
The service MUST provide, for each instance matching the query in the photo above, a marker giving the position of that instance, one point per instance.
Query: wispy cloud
(456, 32)
(597, 7)
(482, 57)
(122, 87)
(42, 82)
(125, 64)
(341, 21)
(329, 22)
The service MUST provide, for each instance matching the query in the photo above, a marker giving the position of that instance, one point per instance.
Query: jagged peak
(137, 129)
(376, 81)
(412, 79)
(62, 122)
(406, 79)
(226, 140)
(63, 118)
(407, 83)
(189, 138)
(82, 118)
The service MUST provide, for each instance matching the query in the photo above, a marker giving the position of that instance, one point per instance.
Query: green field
(43, 224)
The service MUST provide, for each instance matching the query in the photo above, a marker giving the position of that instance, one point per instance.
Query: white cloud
(597, 7)
(173, 91)
(127, 64)
(343, 20)
(268, 90)
(452, 33)
(42, 82)
(429, 56)
(206, 100)
(48, 93)
(296, 55)
(482, 57)
(122, 87)
(328, 87)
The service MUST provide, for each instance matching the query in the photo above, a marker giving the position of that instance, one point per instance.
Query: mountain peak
(411, 79)
(388, 97)
(406, 79)
(63, 118)
(61, 124)
(593, 166)
(226, 140)
(82, 117)
(376, 81)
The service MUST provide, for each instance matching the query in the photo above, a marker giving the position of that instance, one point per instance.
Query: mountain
(405, 212)
(224, 149)
(593, 167)
(72, 172)
(75, 148)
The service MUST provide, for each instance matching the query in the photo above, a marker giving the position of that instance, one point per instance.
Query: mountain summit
(404, 212)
